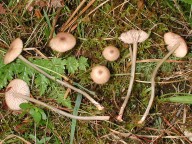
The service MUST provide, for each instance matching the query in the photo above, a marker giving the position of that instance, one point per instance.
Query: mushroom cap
(16, 86)
(62, 42)
(100, 74)
(172, 39)
(111, 53)
(14, 51)
(133, 35)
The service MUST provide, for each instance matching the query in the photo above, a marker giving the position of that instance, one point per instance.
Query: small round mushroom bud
(14, 51)
(62, 42)
(100, 74)
(111, 53)
(16, 86)
(171, 39)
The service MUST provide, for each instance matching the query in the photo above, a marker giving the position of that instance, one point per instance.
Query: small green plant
(39, 141)
(187, 1)
(37, 113)
(55, 66)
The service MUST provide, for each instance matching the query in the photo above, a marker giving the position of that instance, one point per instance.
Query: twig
(75, 18)
(166, 82)
(153, 83)
(73, 14)
(97, 7)
(12, 136)
(157, 60)
(133, 136)
(174, 129)
(60, 111)
(37, 51)
(54, 23)
(64, 83)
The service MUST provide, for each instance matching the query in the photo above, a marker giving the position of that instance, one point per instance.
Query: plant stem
(60, 111)
(64, 83)
(153, 83)
(133, 59)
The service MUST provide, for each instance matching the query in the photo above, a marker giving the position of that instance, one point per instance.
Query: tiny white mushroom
(62, 42)
(131, 37)
(111, 53)
(100, 74)
(14, 51)
(16, 86)
(176, 45)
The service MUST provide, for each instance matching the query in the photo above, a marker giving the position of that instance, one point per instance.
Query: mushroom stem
(134, 57)
(64, 83)
(153, 83)
(60, 111)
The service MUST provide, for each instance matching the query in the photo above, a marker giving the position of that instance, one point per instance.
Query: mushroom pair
(17, 92)
(63, 40)
(101, 74)
(177, 46)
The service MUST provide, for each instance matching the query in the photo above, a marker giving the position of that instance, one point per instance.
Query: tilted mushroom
(62, 42)
(16, 86)
(64, 83)
(14, 51)
(100, 74)
(111, 53)
(131, 37)
(18, 92)
(171, 39)
(177, 46)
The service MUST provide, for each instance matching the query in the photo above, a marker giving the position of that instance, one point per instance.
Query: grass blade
(74, 121)
(179, 99)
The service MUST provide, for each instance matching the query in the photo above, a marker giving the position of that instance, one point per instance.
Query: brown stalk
(131, 81)
(62, 112)
(153, 84)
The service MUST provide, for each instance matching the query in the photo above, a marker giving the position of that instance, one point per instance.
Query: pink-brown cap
(16, 86)
(62, 42)
(133, 35)
(172, 39)
(100, 74)
(14, 51)
(111, 53)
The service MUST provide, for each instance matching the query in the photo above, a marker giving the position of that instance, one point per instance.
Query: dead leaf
(56, 3)
(140, 4)
(38, 13)
(2, 9)
(43, 3)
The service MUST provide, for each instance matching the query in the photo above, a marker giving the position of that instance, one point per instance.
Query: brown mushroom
(14, 51)
(111, 53)
(16, 86)
(100, 74)
(62, 42)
